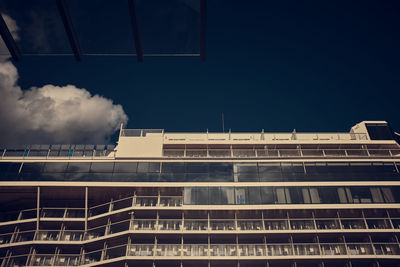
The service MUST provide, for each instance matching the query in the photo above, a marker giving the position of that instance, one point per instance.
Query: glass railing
(333, 249)
(42, 260)
(302, 224)
(196, 225)
(223, 250)
(359, 249)
(67, 260)
(278, 153)
(386, 249)
(279, 250)
(144, 225)
(169, 225)
(289, 250)
(306, 249)
(199, 250)
(222, 225)
(48, 235)
(141, 250)
(252, 250)
(249, 225)
(276, 225)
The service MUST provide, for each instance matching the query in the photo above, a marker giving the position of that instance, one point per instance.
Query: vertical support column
(37, 208)
(86, 208)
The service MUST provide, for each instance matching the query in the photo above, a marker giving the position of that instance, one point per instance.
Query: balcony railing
(207, 251)
(280, 153)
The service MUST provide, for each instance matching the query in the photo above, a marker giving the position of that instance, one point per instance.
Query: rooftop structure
(205, 199)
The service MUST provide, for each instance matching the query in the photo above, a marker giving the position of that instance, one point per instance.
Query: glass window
(388, 195)
(253, 195)
(267, 195)
(173, 167)
(329, 195)
(246, 177)
(314, 195)
(267, 167)
(196, 195)
(377, 196)
(214, 196)
(361, 194)
(125, 167)
(227, 195)
(295, 195)
(78, 167)
(143, 167)
(270, 177)
(102, 167)
(55, 166)
(196, 167)
(240, 196)
(245, 167)
(280, 195)
(154, 167)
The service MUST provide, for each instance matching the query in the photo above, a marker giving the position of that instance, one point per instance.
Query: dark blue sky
(277, 65)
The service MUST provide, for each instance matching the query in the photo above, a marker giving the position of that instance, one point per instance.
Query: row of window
(289, 195)
(200, 171)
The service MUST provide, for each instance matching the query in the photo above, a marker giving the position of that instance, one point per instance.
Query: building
(205, 199)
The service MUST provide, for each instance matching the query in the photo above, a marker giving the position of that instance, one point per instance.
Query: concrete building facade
(205, 199)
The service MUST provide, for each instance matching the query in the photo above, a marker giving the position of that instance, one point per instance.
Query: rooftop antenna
(223, 123)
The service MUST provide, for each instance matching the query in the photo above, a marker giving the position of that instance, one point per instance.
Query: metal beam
(9, 40)
(203, 8)
(69, 28)
(135, 30)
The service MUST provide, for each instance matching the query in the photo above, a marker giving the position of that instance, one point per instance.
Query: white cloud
(13, 28)
(52, 114)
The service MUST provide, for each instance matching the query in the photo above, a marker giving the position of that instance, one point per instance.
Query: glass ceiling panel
(169, 26)
(103, 27)
(40, 29)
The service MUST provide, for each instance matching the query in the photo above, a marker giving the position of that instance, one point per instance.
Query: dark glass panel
(293, 176)
(154, 167)
(143, 167)
(214, 195)
(267, 167)
(101, 176)
(197, 177)
(292, 167)
(200, 195)
(173, 167)
(78, 167)
(267, 195)
(219, 167)
(328, 195)
(123, 177)
(296, 196)
(102, 167)
(32, 167)
(271, 177)
(379, 131)
(227, 195)
(125, 167)
(77, 176)
(253, 195)
(172, 177)
(197, 167)
(55, 166)
(246, 167)
(361, 194)
(53, 176)
(241, 195)
(247, 177)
